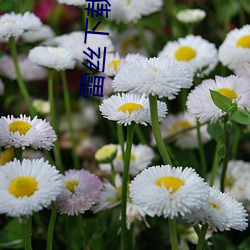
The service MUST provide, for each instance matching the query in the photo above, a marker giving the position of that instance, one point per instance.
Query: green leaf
(222, 102)
(215, 130)
(245, 244)
(11, 236)
(241, 116)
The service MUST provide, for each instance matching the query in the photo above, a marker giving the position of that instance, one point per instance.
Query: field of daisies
(157, 157)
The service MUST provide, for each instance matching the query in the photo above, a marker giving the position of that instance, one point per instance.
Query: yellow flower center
(229, 181)
(227, 92)
(214, 205)
(132, 157)
(180, 125)
(244, 42)
(70, 185)
(23, 186)
(9, 21)
(170, 182)
(20, 126)
(130, 107)
(185, 53)
(114, 64)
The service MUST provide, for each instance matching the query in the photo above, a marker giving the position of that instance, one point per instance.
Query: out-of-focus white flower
(132, 10)
(41, 106)
(243, 69)
(72, 2)
(14, 25)
(29, 71)
(50, 57)
(141, 157)
(191, 15)
(42, 34)
(174, 124)
(68, 41)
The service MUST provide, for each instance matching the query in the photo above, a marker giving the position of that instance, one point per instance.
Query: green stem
(242, 14)
(205, 244)
(127, 155)
(69, 118)
(52, 222)
(84, 18)
(203, 170)
(173, 235)
(27, 229)
(236, 142)
(120, 136)
(226, 158)
(143, 37)
(20, 81)
(140, 135)
(82, 226)
(156, 130)
(202, 237)
(215, 164)
(54, 120)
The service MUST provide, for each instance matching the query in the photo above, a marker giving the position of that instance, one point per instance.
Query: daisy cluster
(137, 173)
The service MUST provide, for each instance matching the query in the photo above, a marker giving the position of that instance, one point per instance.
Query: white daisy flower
(169, 192)
(221, 212)
(235, 49)
(42, 34)
(174, 124)
(26, 132)
(110, 195)
(197, 53)
(132, 10)
(200, 103)
(68, 42)
(141, 157)
(14, 25)
(50, 57)
(72, 2)
(128, 108)
(28, 186)
(157, 76)
(29, 71)
(191, 15)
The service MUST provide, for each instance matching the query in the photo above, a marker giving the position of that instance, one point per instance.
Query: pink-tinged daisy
(80, 192)
(200, 103)
(14, 25)
(235, 49)
(221, 212)
(29, 71)
(26, 132)
(156, 76)
(128, 108)
(28, 186)
(195, 52)
(169, 192)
